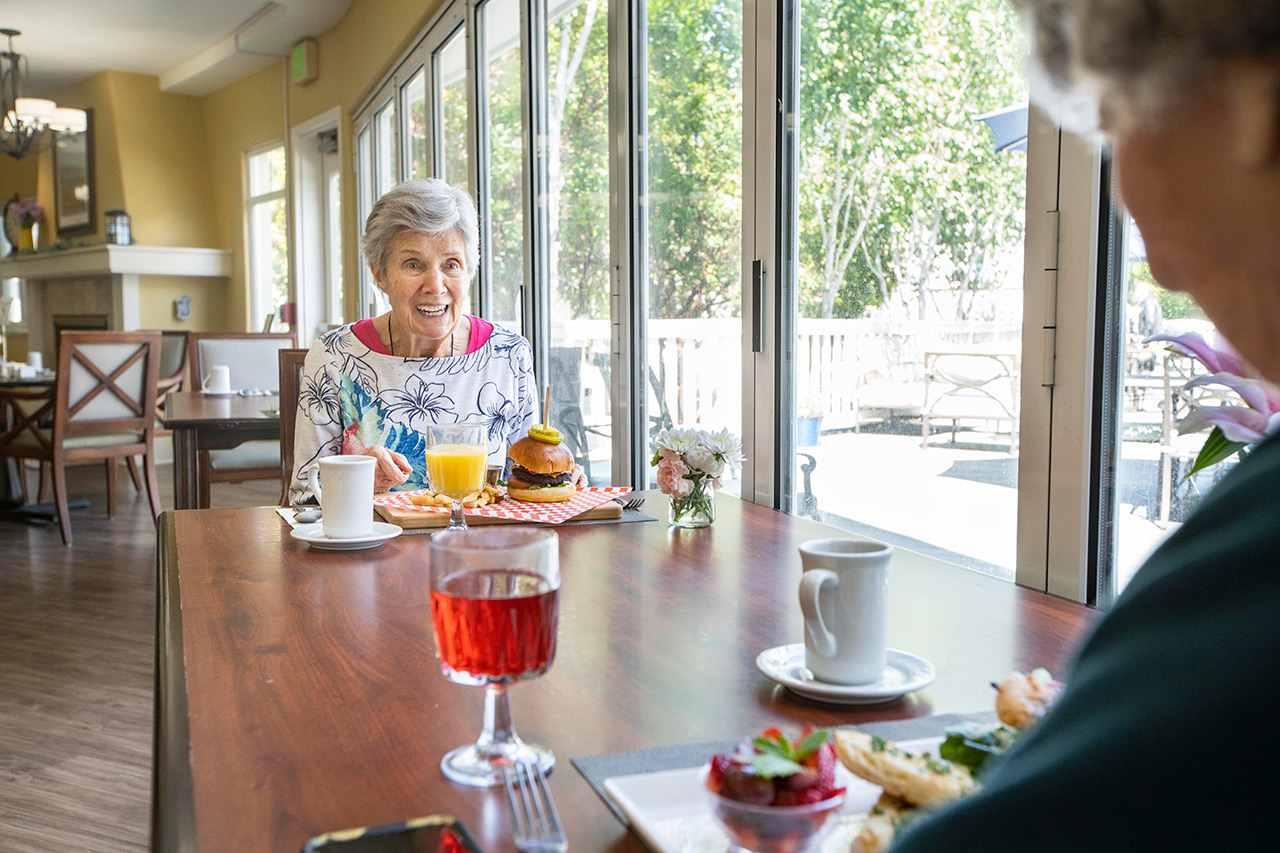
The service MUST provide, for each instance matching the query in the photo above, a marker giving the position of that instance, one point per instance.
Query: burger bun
(540, 457)
(543, 494)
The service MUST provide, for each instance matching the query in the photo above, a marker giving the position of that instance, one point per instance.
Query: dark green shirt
(1166, 737)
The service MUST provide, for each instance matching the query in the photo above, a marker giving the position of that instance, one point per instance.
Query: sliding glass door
(910, 218)
(693, 106)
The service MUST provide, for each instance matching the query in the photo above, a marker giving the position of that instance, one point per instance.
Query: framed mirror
(73, 181)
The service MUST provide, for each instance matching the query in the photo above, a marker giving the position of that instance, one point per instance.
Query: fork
(535, 823)
(634, 503)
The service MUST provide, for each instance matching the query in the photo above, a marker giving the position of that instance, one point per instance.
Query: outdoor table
(213, 422)
(298, 691)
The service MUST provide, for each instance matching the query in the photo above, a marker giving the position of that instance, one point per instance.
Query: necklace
(391, 340)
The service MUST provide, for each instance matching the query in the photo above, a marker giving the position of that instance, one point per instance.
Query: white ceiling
(194, 46)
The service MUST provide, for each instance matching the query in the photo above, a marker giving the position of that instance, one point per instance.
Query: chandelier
(25, 119)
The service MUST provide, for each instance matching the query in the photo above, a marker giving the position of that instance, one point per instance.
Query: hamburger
(541, 468)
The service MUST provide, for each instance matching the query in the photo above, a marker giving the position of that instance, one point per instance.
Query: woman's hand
(579, 478)
(392, 469)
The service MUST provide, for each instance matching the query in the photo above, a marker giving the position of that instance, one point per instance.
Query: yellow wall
(175, 163)
(242, 116)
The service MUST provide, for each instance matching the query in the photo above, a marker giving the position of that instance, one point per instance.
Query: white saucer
(313, 535)
(903, 673)
(219, 393)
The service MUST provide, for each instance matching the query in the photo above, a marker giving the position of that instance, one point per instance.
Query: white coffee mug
(347, 501)
(218, 381)
(36, 360)
(844, 595)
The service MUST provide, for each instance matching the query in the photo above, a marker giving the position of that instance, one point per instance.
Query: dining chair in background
(102, 407)
(253, 363)
(291, 361)
(175, 366)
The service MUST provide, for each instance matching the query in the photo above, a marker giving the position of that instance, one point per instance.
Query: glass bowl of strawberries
(776, 795)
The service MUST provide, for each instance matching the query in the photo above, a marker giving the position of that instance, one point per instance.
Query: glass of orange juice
(457, 457)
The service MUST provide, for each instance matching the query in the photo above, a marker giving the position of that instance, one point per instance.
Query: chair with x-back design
(102, 407)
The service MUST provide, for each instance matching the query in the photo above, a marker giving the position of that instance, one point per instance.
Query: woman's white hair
(430, 206)
(1139, 57)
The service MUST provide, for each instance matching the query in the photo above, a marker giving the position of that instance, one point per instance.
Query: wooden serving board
(410, 520)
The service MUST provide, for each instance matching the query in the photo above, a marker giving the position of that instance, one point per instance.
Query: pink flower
(671, 479)
(1241, 425)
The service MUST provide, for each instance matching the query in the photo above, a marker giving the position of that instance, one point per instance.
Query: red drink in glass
(495, 625)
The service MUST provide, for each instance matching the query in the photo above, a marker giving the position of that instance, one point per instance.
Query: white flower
(728, 447)
(680, 441)
(705, 460)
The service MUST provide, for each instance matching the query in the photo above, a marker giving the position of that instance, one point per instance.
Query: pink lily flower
(1247, 424)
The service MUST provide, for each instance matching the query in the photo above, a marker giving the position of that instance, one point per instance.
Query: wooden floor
(76, 656)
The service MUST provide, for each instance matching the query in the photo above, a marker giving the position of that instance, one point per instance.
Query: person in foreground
(1165, 737)
(372, 387)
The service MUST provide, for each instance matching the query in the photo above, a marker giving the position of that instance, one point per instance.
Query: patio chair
(970, 386)
(291, 361)
(102, 407)
(254, 364)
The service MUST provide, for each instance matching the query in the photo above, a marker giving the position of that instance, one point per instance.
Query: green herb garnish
(777, 756)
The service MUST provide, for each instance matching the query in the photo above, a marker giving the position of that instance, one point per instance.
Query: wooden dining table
(213, 422)
(11, 486)
(298, 691)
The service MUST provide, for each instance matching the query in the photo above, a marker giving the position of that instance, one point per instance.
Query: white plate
(219, 393)
(903, 673)
(313, 535)
(670, 810)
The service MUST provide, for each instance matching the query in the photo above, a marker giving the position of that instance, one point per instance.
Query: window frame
(251, 203)
(1058, 481)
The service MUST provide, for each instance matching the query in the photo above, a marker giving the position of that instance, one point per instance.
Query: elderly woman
(373, 386)
(1165, 738)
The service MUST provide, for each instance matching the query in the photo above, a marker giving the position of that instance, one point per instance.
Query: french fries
(484, 497)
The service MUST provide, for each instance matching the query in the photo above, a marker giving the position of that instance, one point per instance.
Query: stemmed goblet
(457, 459)
(495, 600)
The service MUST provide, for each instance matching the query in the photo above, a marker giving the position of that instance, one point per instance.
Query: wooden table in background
(207, 422)
(11, 487)
(298, 691)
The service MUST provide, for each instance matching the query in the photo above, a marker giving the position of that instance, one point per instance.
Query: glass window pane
(1153, 491)
(911, 219)
(451, 95)
(578, 201)
(266, 172)
(387, 161)
(505, 259)
(268, 260)
(694, 147)
(333, 245)
(415, 99)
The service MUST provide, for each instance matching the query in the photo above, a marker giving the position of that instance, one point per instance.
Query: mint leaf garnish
(767, 765)
(810, 743)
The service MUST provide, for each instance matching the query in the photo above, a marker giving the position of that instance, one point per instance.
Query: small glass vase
(27, 238)
(697, 509)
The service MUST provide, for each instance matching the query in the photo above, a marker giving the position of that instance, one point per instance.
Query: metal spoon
(306, 516)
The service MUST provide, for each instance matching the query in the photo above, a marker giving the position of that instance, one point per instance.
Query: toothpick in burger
(541, 468)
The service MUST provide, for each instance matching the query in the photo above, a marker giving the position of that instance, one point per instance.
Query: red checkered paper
(509, 508)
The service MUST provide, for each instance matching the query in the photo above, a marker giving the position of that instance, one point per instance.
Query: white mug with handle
(844, 595)
(347, 501)
(218, 381)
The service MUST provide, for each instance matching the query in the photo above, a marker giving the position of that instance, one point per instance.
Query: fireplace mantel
(117, 260)
(100, 280)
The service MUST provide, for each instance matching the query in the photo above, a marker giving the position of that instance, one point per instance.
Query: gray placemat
(627, 515)
(597, 768)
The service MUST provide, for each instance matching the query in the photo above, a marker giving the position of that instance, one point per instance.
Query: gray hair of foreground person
(1136, 58)
(430, 206)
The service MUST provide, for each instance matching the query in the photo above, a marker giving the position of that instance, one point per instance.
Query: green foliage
(1174, 305)
(1217, 448)
(901, 190)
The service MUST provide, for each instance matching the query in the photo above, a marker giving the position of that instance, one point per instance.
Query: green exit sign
(302, 62)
